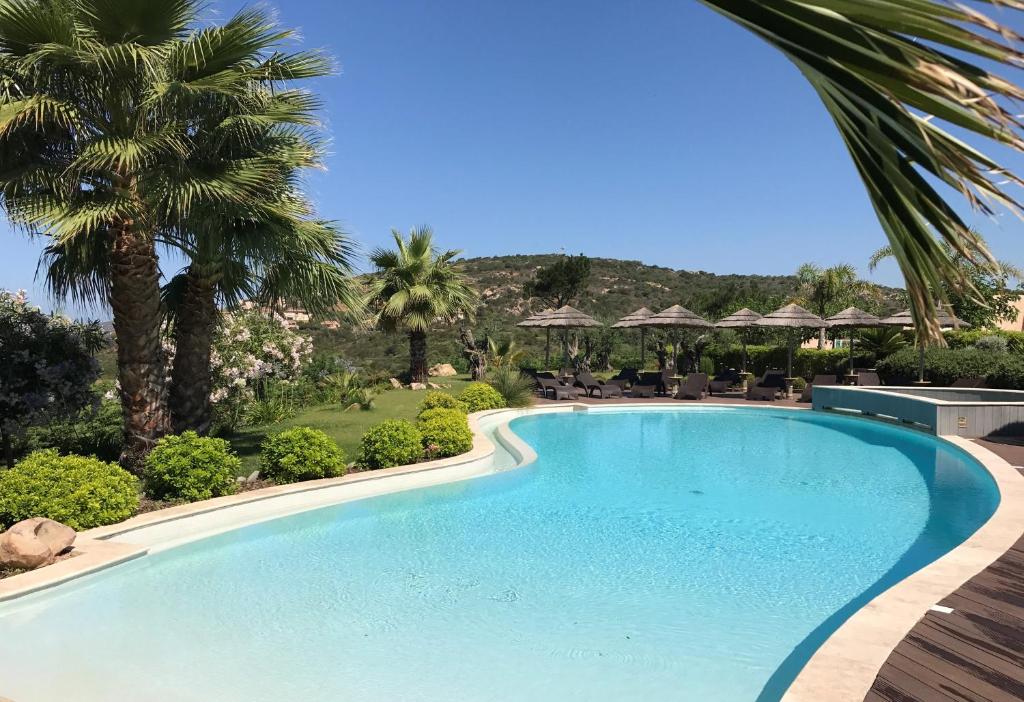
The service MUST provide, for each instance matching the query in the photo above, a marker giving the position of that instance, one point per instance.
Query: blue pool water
(693, 554)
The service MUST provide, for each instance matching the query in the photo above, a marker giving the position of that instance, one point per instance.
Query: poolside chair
(721, 383)
(768, 386)
(868, 378)
(968, 383)
(653, 380)
(557, 389)
(805, 396)
(625, 378)
(693, 388)
(590, 385)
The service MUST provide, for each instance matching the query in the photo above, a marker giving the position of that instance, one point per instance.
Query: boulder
(417, 386)
(442, 370)
(433, 386)
(35, 542)
(395, 383)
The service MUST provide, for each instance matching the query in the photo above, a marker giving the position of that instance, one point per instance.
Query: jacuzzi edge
(841, 670)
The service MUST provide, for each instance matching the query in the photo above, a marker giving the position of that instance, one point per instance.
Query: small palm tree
(881, 342)
(413, 288)
(826, 291)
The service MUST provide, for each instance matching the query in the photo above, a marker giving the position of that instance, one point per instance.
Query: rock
(433, 386)
(443, 370)
(35, 542)
(395, 383)
(417, 386)
(253, 477)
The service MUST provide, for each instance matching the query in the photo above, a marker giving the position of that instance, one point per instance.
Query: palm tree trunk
(135, 301)
(418, 356)
(194, 326)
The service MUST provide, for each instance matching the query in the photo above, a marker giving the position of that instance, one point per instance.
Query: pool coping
(842, 669)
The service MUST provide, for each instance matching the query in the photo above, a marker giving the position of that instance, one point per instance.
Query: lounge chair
(590, 385)
(868, 378)
(768, 386)
(652, 382)
(968, 383)
(721, 383)
(693, 387)
(806, 396)
(625, 378)
(557, 389)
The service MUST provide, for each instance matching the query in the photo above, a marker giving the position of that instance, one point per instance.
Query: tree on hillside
(560, 283)
(826, 291)
(47, 367)
(414, 287)
(98, 119)
(889, 73)
(993, 293)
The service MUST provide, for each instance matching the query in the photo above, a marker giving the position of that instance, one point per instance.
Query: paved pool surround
(842, 669)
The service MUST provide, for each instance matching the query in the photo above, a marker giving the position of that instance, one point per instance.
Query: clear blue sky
(650, 130)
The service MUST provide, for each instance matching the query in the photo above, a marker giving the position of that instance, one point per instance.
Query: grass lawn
(344, 427)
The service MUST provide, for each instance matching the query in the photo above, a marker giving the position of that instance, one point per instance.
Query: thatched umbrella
(566, 318)
(677, 317)
(532, 321)
(635, 320)
(740, 319)
(852, 318)
(791, 317)
(906, 319)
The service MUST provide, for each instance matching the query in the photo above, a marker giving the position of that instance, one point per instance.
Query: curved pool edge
(842, 669)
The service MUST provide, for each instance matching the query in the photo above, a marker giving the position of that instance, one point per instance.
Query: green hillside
(616, 288)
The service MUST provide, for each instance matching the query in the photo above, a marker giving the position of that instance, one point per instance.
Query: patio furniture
(868, 378)
(805, 396)
(968, 383)
(590, 384)
(639, 390)
(768, 386)
(693, 388)
(721, 383)
(558, 390)
(625, 378)
(654, 379)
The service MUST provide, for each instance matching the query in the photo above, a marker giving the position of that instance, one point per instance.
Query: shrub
(435, 399)
(992, 344)
(79, 491)
(481, 396)
(799, 384)
(269, 411)
(301, 453)
(393, 442)
(95, 432)
(190, 467)
(445, 432)
(515, 388)
(807, 363)
(944, 365)
(706, 366)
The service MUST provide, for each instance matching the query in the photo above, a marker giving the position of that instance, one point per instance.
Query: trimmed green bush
(79, 491)
(445, 432)
(515, 388)
(807, 363)
(95, 431)
(301, 453)
(943, 365)
(964, 338)
(481, 396)
(434, 399)
(190, 467)
(393, 442)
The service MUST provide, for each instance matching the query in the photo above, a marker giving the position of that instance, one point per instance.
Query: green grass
(345, 427)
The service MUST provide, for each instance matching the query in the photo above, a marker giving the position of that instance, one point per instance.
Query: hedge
(944, 365)
(807, 363)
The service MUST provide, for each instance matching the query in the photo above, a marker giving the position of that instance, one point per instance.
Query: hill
(616, 288)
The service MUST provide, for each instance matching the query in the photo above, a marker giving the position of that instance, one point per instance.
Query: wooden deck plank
(975, 653)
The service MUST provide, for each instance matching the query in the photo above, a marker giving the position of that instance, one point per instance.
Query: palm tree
(98, 108)
(882, 70)
(415, 286)
(881, 342)
(826, 291)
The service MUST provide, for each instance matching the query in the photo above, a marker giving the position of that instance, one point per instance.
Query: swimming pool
(690, 553)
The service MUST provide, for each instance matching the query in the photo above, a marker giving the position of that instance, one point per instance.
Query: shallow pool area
(691, 553)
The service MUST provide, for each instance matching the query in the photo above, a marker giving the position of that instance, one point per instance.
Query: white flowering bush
(254, 358)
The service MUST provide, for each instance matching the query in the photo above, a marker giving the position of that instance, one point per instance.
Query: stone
(433, 386)
(34, 542)
(57, 537)
(395, 383)
(443, 370)
(253, 477)
(417, 386)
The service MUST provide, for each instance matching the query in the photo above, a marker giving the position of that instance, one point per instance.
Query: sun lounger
(805, 396)
(968, 383)
(652, 379)
(590, 385)
(721, 383)
(868, 378)
(557, 390)
(642, 391)
(693, 388)
(625, 378)
(768, 386)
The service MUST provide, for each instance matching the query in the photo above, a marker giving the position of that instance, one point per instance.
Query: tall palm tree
(414, 287)
(882, 70)
(826, 291)
(98, 106)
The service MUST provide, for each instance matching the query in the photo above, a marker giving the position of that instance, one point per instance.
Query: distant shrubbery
(481, 396)
(78, 491)
(436, 399)
(190, 467)
(445, 432)
(393, 442)
(95, 431)
(945, 365)
(970, 337)
(807, 363)
(515, 388)
(301, 453)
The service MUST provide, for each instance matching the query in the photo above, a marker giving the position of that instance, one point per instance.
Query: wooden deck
(976, 652)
